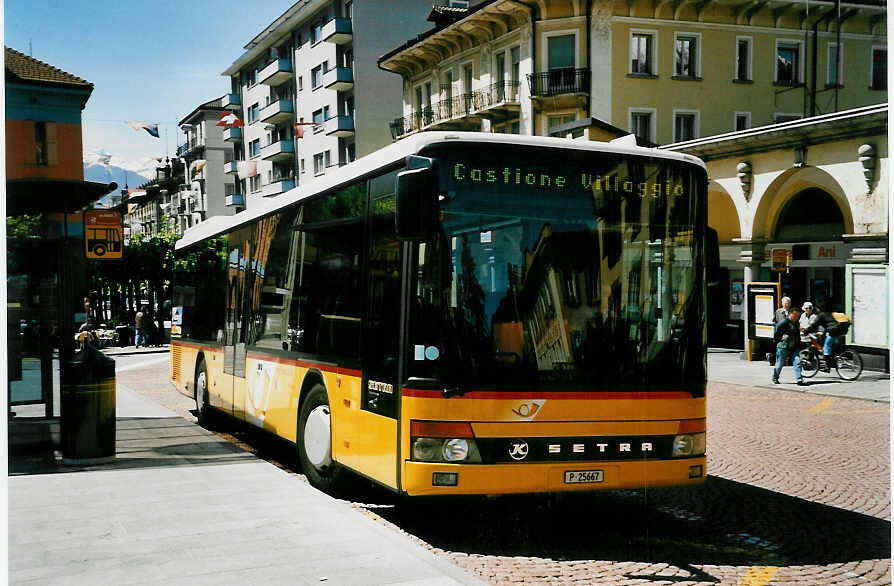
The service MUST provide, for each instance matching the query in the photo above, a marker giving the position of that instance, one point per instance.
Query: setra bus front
(554, 323)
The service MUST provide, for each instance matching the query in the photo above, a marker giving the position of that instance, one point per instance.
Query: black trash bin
(88, 408)
(123, 336)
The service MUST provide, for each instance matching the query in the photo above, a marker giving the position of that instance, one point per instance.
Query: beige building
(666, 71)
(816, 192)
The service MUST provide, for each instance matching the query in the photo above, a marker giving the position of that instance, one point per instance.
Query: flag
(150, 128)
(246, 169)
(229, 119)
(197, 166)
(299, 128)
(104, 158)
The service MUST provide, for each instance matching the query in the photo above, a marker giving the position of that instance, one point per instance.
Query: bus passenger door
(376, 450)
(222, 394)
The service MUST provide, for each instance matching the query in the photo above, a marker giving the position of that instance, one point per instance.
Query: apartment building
(665, 71)
(209, 188)
(310, 93)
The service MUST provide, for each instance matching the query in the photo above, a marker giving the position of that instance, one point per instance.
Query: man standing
(786, 335)
(782, 312)
(139, 321)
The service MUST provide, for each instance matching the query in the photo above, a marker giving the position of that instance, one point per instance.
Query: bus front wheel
(99, 250)
(315, 441)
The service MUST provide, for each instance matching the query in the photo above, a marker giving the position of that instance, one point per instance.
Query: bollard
(88, 408)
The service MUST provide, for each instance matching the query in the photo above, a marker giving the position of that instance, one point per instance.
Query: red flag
(229, 119)
(299, 128)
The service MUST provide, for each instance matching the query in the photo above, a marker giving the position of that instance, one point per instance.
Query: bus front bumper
(424, 478)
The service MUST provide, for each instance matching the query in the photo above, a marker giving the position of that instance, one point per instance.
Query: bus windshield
(565, 270)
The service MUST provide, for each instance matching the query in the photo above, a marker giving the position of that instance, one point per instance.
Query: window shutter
(52, 144)
(29, 145)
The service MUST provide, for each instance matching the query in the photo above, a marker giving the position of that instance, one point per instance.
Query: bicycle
(848, 363)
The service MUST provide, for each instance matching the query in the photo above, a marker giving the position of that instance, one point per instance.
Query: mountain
(131, 173)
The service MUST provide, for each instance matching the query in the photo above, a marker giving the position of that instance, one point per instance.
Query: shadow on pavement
(34, 446)
(721, 523)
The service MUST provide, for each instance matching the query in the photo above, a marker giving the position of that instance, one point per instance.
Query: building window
(561, 52)
(742, 121)
(252, 113)
(686, 55)
(788, 62)
(743, 59)
(316, 76)
(316, 32)
(351, 153)
(254, 184)
(641, 124)
(780, 117)
(642, 58)
(254, 148)
(300, 83)
(835, 65)
(303, 169)
(41, 156)
(321, 161)
(879, 76)
(685, 125)
(515, 60)
(252, 77)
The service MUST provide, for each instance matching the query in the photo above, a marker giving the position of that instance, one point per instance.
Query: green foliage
(26, 227)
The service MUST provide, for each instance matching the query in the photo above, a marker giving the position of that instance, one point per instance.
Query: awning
(36, 196)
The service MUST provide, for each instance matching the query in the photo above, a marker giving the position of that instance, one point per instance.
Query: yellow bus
(462, 313)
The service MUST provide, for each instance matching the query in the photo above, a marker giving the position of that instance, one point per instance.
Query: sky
(149, 61)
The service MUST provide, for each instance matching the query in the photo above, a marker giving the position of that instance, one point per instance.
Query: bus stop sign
(102, 235)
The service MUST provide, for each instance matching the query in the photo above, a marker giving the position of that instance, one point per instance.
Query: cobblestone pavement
(798, 493)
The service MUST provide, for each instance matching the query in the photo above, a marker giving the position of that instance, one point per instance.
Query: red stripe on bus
(609, 395)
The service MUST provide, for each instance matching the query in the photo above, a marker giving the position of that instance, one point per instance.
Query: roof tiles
(30, 69)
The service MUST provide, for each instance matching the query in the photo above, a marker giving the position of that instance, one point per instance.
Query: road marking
(758, 576)
(823, 404)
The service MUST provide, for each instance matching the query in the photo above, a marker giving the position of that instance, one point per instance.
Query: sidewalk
(182, 506)
(128, 350)
(725, 366)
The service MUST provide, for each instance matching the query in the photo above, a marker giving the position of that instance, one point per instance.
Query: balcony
(569, 85)
(339, 79)
(277, 187)
(340, 125)
(338, 31)
(188, 147)
(231, 168)
(498, 100)
(231, 102)
(235, 199)
(233, 134)
(278, 151)
(277, 112)
(277, 73)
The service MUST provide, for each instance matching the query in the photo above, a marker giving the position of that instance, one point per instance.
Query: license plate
(583, 476)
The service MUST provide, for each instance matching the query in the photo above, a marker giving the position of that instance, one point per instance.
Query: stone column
(526, 65)
(600, 62)
(752, 255)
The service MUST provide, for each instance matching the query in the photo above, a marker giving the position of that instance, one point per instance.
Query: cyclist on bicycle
(834, 324)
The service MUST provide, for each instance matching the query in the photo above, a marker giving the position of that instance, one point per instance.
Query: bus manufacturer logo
(518, 450)
(381, 387)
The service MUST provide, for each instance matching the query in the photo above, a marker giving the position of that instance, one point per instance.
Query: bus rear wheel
(315, 441)
(99, 250)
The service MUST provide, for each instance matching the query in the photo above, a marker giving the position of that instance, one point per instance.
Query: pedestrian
(140, 324)
(782, 312)
(786, 335)
(833, 324)
(807, 318)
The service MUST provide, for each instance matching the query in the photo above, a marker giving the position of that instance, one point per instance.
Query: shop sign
(782, 258)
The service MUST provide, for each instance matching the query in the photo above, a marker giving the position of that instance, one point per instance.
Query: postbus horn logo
(527, 410)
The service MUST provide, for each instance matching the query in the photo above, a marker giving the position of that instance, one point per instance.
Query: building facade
(310, 94)
(666, 71)
(815, 193)
(209, 187)
(45, 197)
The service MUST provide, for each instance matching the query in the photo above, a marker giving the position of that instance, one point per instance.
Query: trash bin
(88, 408)
(123, 336)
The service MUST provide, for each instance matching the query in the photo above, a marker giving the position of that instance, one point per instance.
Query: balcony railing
(559, 81)
(501, 92)
(233, 134)
(276, 112)
(339, 79)
(444, 111)
(279, 71)
(340, 125)
(188, 147)
(235, 199)
(231, 101)
(231, 167)
(338, 31)
(278, 151)
(276, 187)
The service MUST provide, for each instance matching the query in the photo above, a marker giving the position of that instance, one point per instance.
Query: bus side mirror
(416, 192)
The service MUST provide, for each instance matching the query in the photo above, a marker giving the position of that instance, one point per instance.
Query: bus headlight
(443, 441)
(455, 450)
(689, 444)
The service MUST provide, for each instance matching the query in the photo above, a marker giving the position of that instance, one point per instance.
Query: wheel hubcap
(317, 444)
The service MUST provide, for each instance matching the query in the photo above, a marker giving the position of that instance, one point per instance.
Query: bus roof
(395, 153)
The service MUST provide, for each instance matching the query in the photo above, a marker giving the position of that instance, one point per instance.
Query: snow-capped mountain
(122, 171)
